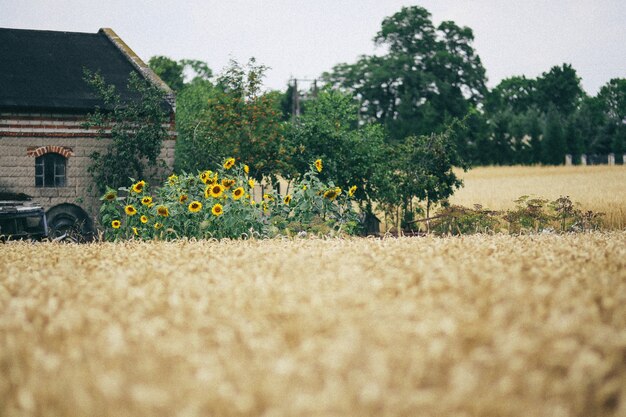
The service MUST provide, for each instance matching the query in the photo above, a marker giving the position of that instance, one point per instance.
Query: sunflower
(144, 219)
(352, 190)
(304, 187)
(246, 169)
(287, 199)
(206, 176)
(251, 183)
(116, 224)
(195, 206)
(318, 165)
(172, 179)
(182, 198)
(227, 183)
(215, 191)
(217, 210)
(130, 210)
(110, 195)
(268, 197)
(138, 186)
(135, 231)
(163, 211)
(331, 194)
(146, 201)
(238, 193)
(158, 225)
(228, 164)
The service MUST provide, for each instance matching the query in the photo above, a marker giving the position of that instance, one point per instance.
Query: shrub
(220, 204)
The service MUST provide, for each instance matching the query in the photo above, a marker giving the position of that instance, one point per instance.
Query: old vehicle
(20, 218)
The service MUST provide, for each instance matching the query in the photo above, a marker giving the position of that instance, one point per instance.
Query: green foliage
(137, 130)
(459, 220)
(234, 118)
(553, 145)
(428, 75)
(220, 204)
(170, 71)
(352, 154)
(424, 169)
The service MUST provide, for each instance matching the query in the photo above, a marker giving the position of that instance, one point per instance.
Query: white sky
(303, 38)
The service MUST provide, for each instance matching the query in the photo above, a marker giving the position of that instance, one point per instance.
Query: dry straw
(472, 326)
(600, 188)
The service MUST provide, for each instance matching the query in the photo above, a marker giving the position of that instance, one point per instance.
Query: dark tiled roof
(44, 69)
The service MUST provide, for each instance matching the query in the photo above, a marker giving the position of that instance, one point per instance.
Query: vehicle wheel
(69, 222)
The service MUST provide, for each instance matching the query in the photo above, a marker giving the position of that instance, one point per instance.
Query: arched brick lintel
(61, 150)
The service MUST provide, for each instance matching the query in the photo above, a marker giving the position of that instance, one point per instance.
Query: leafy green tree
(237, 120)
(170, 71)
(351, 154)
(428, 75)
(553, 144)
(559, 88)
(426, 168)
(137, 131)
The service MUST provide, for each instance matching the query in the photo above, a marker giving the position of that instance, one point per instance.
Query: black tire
(70, 221)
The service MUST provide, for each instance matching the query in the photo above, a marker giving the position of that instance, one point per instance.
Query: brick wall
(23, 136)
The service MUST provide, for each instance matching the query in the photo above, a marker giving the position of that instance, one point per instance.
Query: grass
(600, 188)
(473, 326)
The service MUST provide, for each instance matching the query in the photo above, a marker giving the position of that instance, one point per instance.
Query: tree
(351, 154)
(173, 72)
(559, 88)
(426, 168)
(554, 145)
(428, 75)
(137, 131)
(237, 120)
(170, 71)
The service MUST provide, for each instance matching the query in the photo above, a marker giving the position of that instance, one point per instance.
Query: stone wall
(23, 136)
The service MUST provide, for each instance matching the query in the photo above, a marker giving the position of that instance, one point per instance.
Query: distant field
(475, 326)
(599, 188)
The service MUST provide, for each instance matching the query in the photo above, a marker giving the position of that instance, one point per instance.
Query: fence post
(611, 159)
(583, 159)
(624, 159)
(568, 159)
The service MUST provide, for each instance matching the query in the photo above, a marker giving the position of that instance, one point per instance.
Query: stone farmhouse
(44, 101)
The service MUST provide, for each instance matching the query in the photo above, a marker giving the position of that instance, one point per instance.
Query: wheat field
(473, 326)
(600, 188)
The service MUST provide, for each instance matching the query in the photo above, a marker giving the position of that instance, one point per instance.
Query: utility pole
(295, 95)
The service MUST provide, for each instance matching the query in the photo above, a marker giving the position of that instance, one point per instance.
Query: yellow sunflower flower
(238, 193)
(138, 186)
(227, 183)
(228, 164)
(182, 198)
(330, 194)
(215, 191)
(287, 199)
(251, 183)
(130, 210)
(318, 165)
(116, 224)
(195, 206)
(268, 197)
(144, 219)
(158, 225)
(110, 196)
(217, 210)
(135, 231)
(352, 190)
(206, 176)
(146, 201)
(172, 179)
(246, 169)
(163, 211)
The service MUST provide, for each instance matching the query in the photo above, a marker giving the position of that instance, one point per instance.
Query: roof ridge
(139, 64)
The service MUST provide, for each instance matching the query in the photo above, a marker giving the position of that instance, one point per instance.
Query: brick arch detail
(61, 150)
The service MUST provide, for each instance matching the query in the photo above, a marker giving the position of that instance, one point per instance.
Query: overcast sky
(303, 38)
